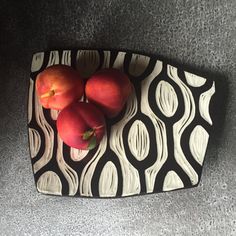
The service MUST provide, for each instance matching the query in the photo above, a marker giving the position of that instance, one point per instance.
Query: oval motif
(198, 143)
(166, 98)
(87, 62)
(37, 61)
(172, 181)
(108, 181)
(49, 183)
(138, 140)
(34, 142)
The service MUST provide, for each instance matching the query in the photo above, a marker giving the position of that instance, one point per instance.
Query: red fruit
(81, 125)
(109, 89)
(58, 86)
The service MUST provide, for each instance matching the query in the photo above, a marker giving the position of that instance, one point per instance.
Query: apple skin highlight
(58, 86)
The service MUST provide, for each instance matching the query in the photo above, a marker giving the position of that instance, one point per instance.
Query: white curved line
(119, 61)
(66, 57)
(78, 155)
(34, 142)
(198, 143)
(160, 130)
(106, 60)
(54, 114)
(53, 58)
(30, 99)
(108, 181)
(204, 103)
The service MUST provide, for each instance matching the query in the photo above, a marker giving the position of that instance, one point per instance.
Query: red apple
(58, 86)
(109, 89)
(81, 125)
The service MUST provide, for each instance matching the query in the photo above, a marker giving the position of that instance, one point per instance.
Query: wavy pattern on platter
(161, 103)
(43, 124)
(48, 135)
(69, 173)
(89, 169)
(160, 129)
(180, 126)
(131, 183)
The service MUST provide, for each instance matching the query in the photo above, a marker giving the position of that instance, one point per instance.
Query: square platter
(157, 143)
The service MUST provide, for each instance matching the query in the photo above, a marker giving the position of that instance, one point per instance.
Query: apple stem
(48, 94)
(98, 127)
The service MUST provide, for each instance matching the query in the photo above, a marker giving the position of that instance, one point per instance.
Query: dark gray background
(197, 34)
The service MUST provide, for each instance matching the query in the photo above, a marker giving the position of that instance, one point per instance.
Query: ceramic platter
(157, 143)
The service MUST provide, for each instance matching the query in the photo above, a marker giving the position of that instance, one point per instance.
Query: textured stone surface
(198, 34)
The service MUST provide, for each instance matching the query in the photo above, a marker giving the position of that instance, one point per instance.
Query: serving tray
(157, 143)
